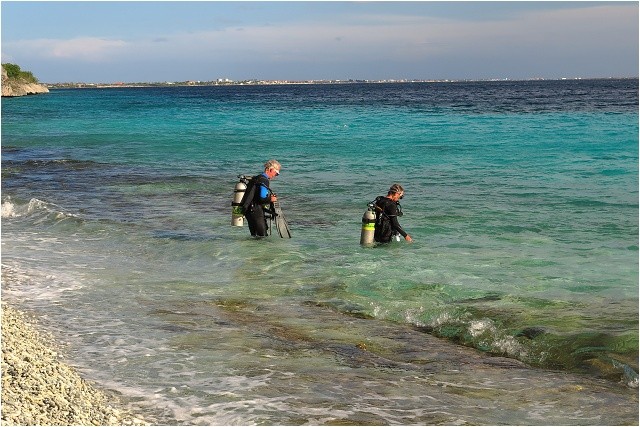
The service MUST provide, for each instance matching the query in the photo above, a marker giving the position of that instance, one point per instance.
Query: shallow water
(522, 198)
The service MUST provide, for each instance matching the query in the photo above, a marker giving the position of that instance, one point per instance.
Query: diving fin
(281, 221)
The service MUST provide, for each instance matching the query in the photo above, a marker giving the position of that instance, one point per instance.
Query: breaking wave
(36, 210)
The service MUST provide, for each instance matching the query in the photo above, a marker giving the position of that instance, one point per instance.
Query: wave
(609, 356)
(603, 355)
(36, 210)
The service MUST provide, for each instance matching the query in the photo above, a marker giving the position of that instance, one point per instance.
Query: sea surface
(517, 303)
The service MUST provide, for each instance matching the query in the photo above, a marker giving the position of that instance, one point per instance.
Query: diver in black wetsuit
(255, 214)
(388, 210)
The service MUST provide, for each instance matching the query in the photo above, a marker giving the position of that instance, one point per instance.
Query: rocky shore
(16, 87)
(39, 389)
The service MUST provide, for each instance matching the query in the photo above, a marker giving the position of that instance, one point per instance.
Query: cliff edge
(19, 87)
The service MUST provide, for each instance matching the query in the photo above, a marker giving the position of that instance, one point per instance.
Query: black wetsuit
(387, 225)
(255, 214)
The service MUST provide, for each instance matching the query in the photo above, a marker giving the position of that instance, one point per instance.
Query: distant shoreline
(82, 85)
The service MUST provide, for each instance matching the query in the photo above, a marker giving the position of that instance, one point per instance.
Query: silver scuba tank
(368, 226)
(237, 216)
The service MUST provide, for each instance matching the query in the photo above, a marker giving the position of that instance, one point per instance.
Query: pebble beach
(38, 388)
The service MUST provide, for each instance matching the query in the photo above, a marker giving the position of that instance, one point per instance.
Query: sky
(158, 41)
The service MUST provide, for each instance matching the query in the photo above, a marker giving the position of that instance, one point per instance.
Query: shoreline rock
(39, 389)
(16, 87)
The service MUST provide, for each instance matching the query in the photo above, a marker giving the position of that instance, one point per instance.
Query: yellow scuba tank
(368, 226)
(237, 216)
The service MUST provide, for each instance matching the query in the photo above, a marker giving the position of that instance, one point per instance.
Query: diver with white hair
(261, 200)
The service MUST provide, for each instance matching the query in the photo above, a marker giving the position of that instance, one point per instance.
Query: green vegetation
(14, 72)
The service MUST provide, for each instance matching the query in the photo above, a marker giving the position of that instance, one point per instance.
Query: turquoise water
(521, 197)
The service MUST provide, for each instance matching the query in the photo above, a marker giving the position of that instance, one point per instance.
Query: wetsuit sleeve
(392, 212)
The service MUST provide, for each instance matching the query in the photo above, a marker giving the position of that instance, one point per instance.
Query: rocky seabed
(39, 389)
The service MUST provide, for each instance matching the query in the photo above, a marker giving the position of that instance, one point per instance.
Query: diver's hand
(408, 238)
(273, 198)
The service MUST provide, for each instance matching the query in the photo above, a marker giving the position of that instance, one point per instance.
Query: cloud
(596, 40)
(411, 38)
(90, 49)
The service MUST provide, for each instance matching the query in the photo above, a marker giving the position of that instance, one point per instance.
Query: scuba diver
(388, 209)
(261, 198)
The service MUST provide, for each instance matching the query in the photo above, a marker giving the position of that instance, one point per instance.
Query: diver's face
(397, 196)
(273, 172)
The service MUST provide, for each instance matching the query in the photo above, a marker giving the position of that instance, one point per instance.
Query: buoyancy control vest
(385, 210)
(252, 193)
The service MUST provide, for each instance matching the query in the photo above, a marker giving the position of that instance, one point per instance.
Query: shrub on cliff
(14, 71)
(16, 82)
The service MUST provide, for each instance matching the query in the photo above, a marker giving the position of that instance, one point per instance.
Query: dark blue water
(522, 199)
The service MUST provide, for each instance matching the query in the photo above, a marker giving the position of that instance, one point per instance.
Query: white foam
(8, 209)
(20, 282)
(40, 209)
(510, 346)
(413, 315)
(479, 327)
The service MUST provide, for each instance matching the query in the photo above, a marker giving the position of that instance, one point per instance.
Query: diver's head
(272, 168)
(396, 192)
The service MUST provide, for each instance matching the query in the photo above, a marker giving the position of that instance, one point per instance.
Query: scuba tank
(237, 216)
(368, 226)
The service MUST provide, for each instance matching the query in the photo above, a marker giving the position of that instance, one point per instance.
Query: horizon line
(223, 82)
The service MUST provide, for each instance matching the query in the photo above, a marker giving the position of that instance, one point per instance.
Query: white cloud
(535, 42)
(91, 49)
(407, 38)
